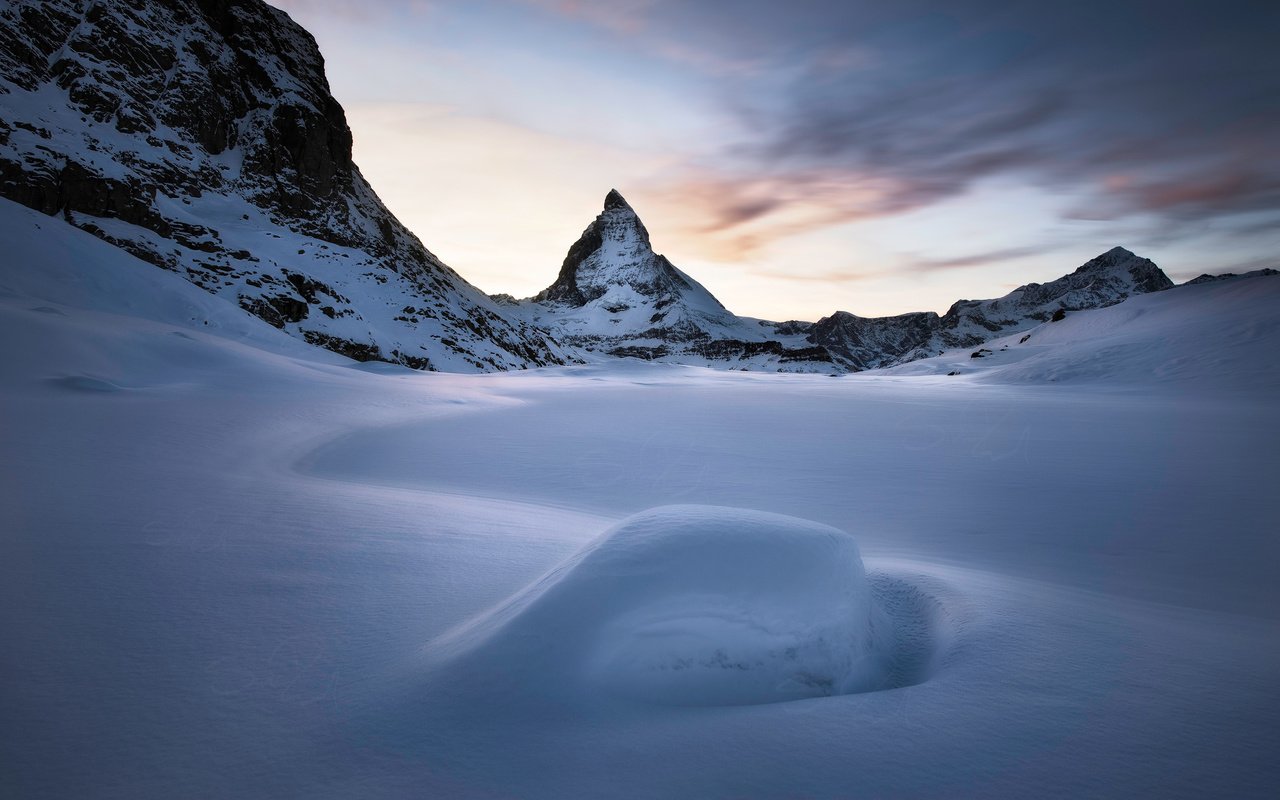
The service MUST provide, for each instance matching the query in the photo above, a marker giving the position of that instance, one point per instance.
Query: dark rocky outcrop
(860, 343)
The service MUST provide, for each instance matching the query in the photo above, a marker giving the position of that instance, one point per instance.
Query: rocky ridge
(1266, 272)
(866, 343)
(201, 136)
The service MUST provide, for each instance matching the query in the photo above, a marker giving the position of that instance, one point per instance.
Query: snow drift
(692, 605)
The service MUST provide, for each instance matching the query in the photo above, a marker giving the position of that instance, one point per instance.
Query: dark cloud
(1170, 109)
(1165, 108)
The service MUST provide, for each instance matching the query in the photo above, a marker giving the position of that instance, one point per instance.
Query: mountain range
(201, 136)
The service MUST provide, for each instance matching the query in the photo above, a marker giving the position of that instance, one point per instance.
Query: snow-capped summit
(616, 295)
(1101, 281)
(614, 256)
(202, 137)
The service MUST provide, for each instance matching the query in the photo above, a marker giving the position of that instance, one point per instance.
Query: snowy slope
(1219, 334)
(615, 295)
(236, 565)
(202, 138)
(50, 266)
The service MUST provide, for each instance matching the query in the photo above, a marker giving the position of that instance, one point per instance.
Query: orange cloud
(732, 218)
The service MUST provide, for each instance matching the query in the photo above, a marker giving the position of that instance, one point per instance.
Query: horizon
(792, 161)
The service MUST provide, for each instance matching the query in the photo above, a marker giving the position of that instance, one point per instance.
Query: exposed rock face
(201, 136)
(859, 343)
(615, 295)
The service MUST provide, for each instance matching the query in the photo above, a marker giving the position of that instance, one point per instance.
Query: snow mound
(695, 606)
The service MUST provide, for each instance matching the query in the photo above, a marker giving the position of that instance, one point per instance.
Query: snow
(235, 565)
(690, 605)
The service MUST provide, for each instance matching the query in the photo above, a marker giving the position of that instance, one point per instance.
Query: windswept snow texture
(690, 605)
(233, 565)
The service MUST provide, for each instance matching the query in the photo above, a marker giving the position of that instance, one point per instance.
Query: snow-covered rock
(200, 135)
(1209, 335)
(615, 295)
(866, 343)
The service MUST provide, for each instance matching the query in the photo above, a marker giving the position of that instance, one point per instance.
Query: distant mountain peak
(1129, 268)
(614, 199)
(614, 251)
(615, 295)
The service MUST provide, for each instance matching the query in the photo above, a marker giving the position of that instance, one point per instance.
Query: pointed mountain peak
(614, 251)
(615, 200)
(1141, 273)
(1101, 281)
(1111, 258)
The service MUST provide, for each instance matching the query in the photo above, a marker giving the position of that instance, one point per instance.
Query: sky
(810, 156)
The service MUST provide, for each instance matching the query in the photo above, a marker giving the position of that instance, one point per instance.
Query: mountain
(857, 343)
(614, 295)
(865, 343)
(1227, 276)
(1205, 336)
(201, 136)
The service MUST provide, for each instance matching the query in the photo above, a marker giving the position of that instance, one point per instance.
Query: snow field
(693, 605)
(232, 565)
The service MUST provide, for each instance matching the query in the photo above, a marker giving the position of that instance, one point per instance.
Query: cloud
(835, 276)
(976, 259)
(1179, 97)
(732, 217)
(628, 17)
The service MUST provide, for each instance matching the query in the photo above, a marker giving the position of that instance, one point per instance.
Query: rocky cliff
(201, 136)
